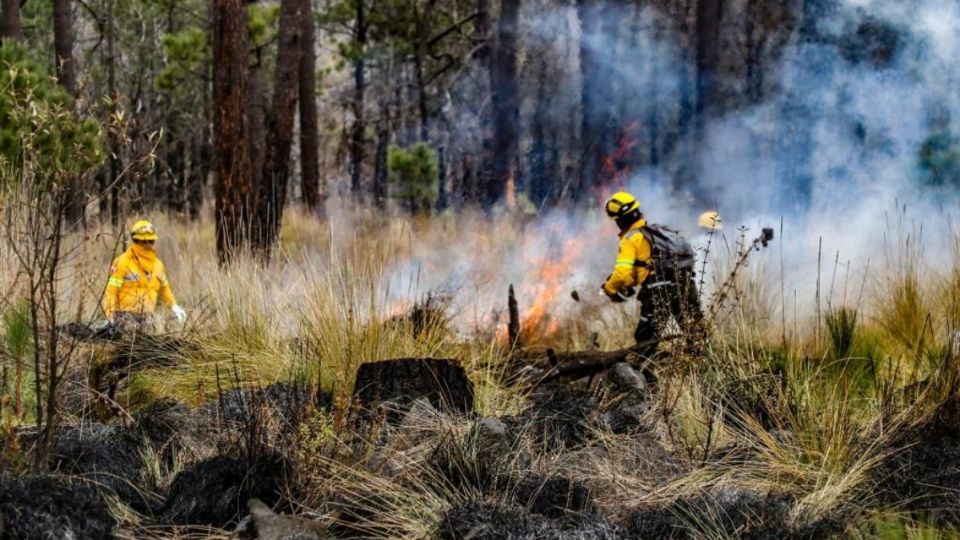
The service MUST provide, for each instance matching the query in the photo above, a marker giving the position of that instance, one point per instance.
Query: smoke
(836, 154)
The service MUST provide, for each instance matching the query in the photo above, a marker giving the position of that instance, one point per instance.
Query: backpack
(669, 250)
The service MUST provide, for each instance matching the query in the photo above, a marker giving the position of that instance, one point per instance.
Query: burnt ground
(230, 463)
(924, 476)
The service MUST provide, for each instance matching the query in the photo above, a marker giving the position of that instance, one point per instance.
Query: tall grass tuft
(842, 328)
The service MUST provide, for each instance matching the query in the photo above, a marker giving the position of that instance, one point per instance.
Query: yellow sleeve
(111, 296)
(626, 273)
(166, 293)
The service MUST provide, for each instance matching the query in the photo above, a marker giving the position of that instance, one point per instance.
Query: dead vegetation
(848, 430)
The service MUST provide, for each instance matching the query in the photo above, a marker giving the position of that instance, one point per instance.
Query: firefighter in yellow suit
(137, 280)
(664, 293)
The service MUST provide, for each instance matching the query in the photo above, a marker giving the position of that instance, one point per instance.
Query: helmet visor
(144, 232)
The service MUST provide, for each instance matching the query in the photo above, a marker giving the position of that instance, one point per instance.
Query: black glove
(620, 296)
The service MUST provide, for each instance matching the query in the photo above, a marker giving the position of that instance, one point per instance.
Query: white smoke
(833, 155)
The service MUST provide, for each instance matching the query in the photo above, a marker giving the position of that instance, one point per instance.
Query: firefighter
(658, 261)
(137, 279)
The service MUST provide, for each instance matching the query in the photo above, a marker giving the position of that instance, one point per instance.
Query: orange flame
(617, 166)
(539, 321)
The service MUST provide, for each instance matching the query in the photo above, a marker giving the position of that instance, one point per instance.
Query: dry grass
(813, 412)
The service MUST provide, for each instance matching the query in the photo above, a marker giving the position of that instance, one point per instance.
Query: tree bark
(505, 102)
(309, 126)
(419, 58)
(595, 99)
(357, 132)
(10, 20)
(230, 90)
(272, 193)
(709, 13)
(380, 172)
(540, 176)
(66, 70)
(63, 46)
(113, 138)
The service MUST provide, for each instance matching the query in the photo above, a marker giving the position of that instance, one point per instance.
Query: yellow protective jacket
(634, 248)
(137, 279)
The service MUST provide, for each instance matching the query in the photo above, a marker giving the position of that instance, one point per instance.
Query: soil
(401, 382)
(52, 508)
(924, 476)
(215, 492)
(742, 513)
(483, 520)
(559, 418)
(110, 457)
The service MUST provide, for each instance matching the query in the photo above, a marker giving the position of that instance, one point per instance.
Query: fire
(537, 322)
(617, 166)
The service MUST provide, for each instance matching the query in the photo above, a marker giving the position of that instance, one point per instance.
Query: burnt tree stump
(443, 382)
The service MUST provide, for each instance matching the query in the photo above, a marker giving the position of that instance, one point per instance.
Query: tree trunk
(113, 138)
(309, 127)
(593, 96)
(199, 172)
(443, 200)
(471, 186)
(10, 20)
(505, 102)
(357, 132)
(63, 45)
(272, 192)
(380, 172)
(230, 88)
(540, 180)
(66, 69)
(709, 13)
(256, 123)
(419, 58)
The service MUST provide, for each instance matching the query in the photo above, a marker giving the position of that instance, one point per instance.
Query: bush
(414, 172)
(36, 113)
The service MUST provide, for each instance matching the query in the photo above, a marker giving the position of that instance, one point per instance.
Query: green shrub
(37, 114)
(414, 172)
(842, 327)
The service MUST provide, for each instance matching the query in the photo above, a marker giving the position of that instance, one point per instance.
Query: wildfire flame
(537, 321)
(541, 320)
(617, 166)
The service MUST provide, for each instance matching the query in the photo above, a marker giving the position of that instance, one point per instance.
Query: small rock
(622, 378)
(627, 400)
(265, 524)
(421, 415)
(491, 437)
(418, 424)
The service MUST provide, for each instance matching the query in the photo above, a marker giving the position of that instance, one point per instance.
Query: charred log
(569, 366)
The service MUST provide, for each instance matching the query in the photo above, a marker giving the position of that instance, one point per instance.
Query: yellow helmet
(711, 220)
(143, 230)
(621, 204)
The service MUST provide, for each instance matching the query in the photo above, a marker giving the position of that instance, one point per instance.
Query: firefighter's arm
(623, 274)
(111, 295)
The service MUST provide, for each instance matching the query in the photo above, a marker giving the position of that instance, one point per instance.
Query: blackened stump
(443, 382)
